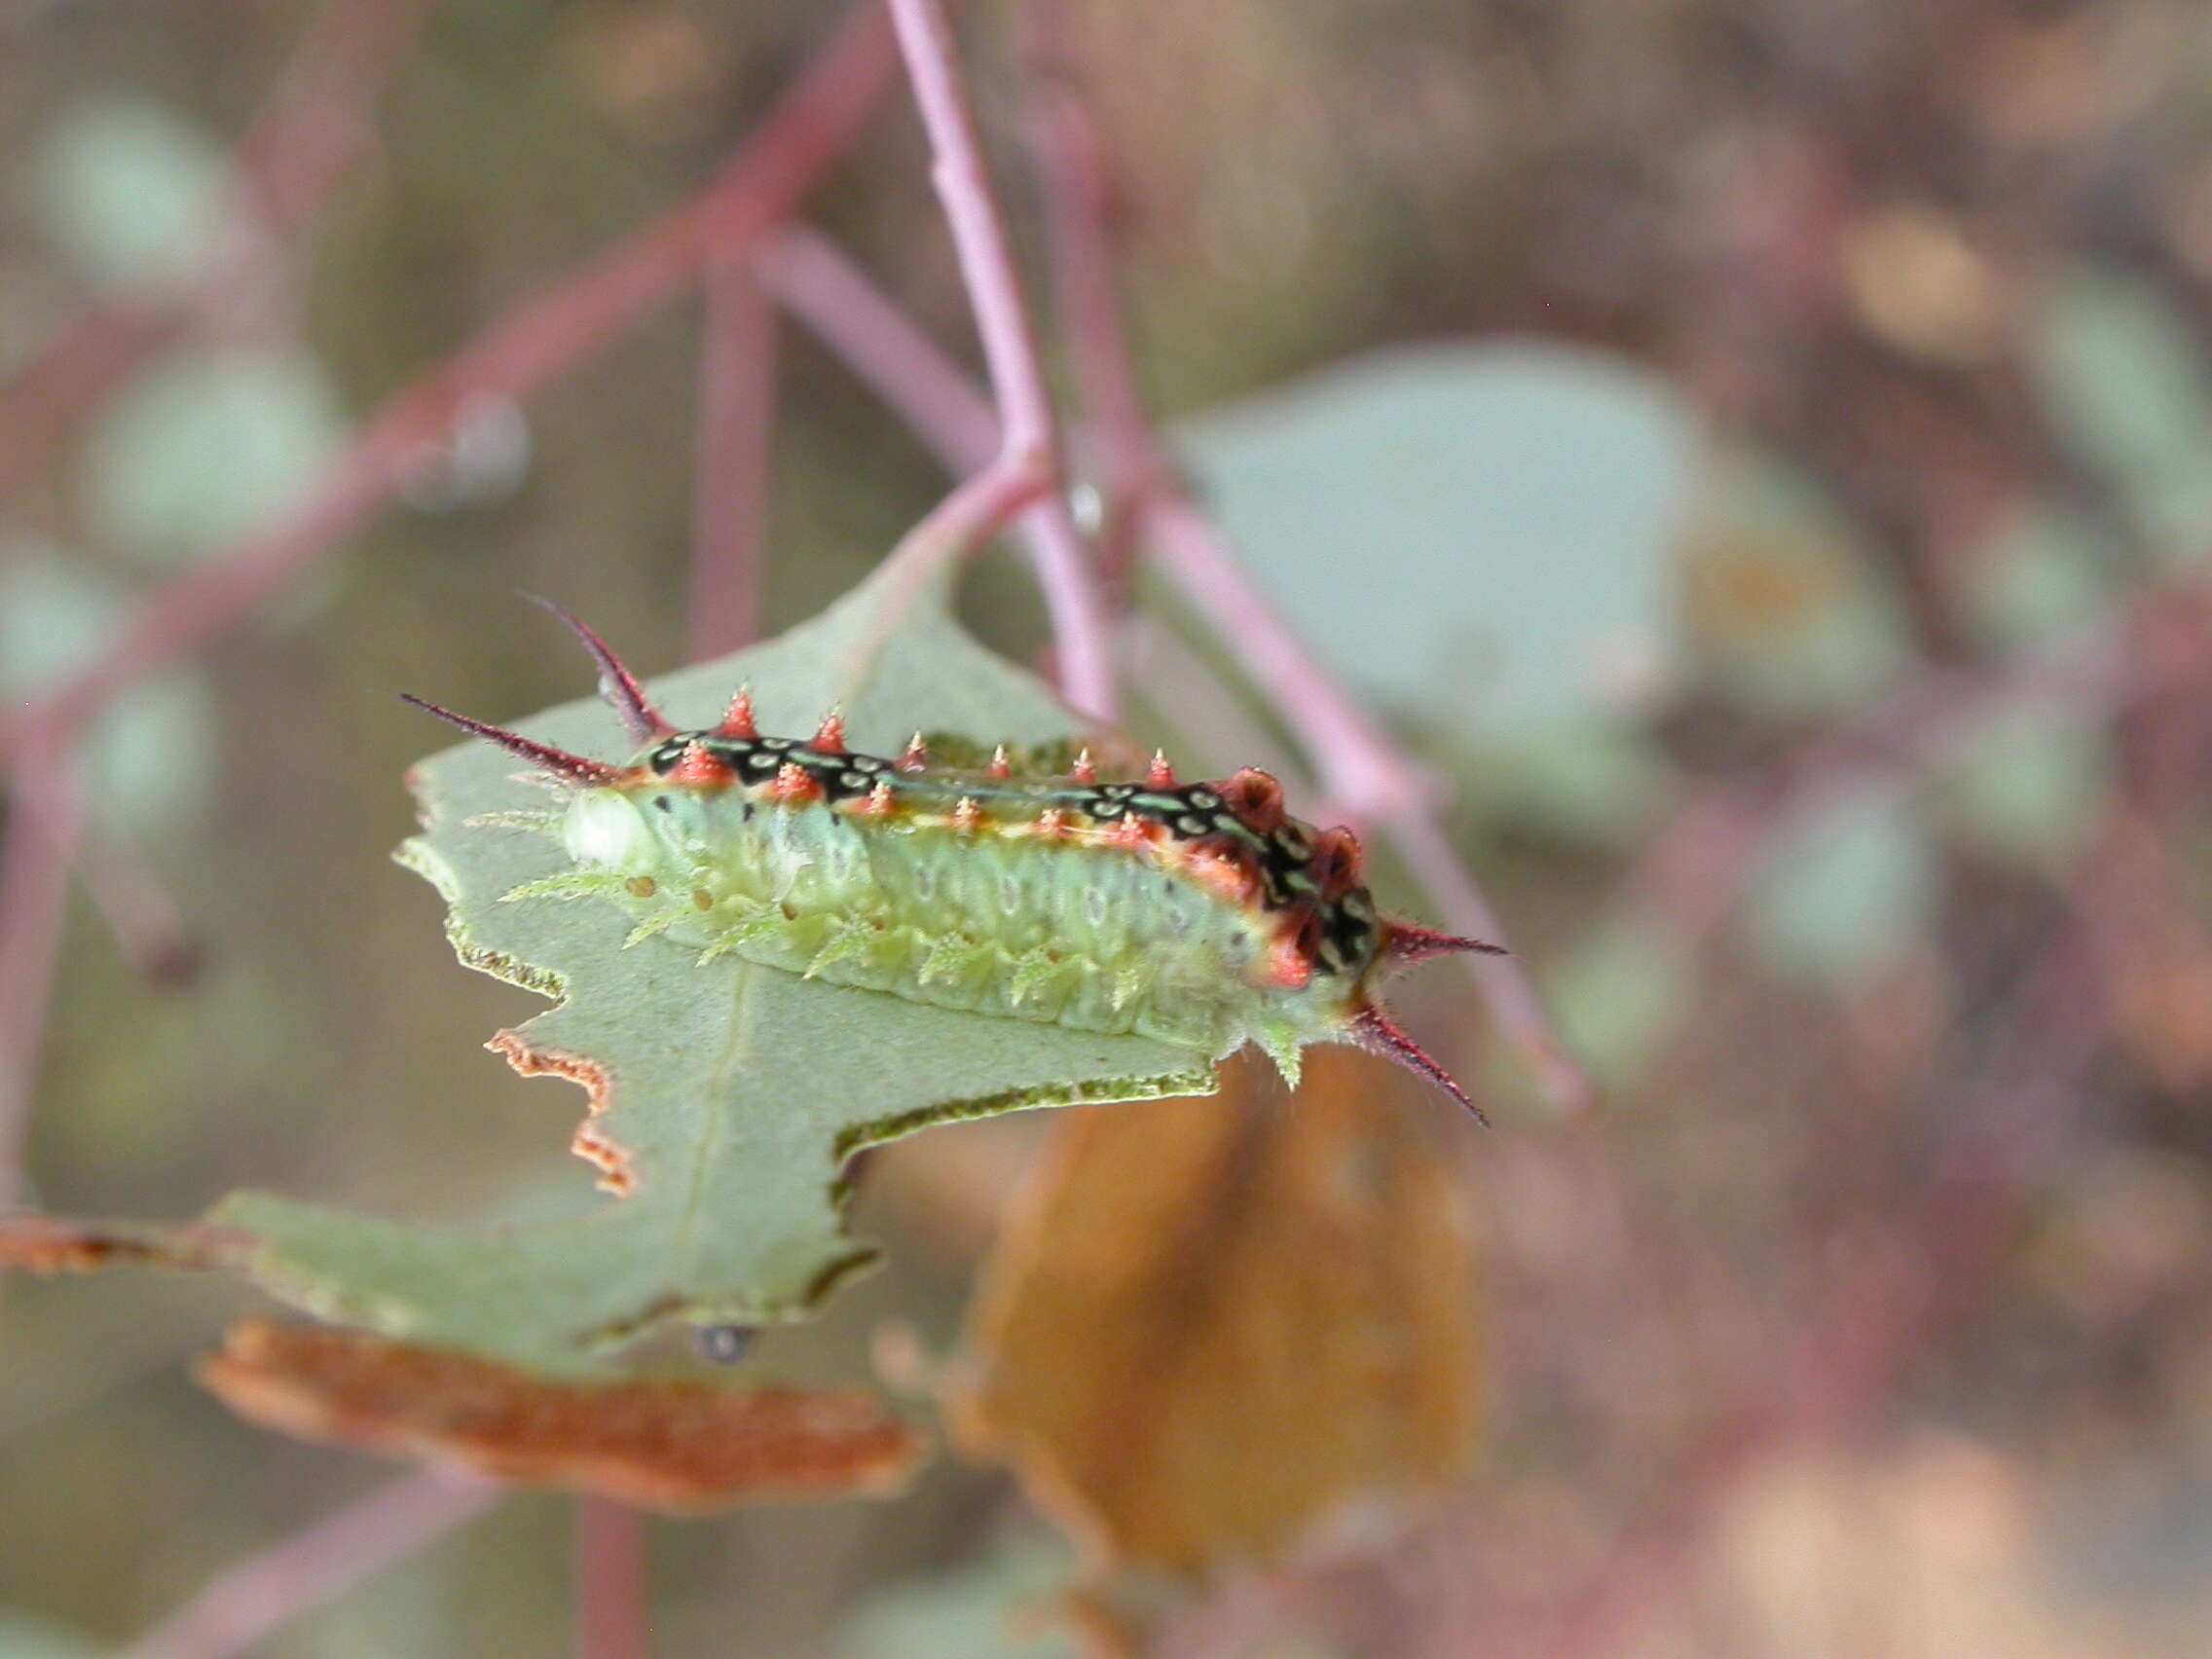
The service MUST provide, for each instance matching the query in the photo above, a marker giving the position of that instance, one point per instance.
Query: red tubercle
(1336, 864)
(794, 785)
(1289, 967)
(1160, 775)
(829, 737)
(1255, 797)
(700, 768)
(1227, 867)
(737, 719)
(1130, 831)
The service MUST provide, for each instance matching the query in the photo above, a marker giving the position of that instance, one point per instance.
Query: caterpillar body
(1200, 914)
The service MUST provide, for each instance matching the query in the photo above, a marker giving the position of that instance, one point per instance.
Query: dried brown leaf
(48, 1246)
(658, 1443)
(1219, 1323)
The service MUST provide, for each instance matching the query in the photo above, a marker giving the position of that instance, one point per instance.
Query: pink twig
(809, 127)
(320, 1563)
(137, 908)
(1028, 464)
(737, 390)
(814, 280)
(612, 1617)
(43, 828)
(817, 282)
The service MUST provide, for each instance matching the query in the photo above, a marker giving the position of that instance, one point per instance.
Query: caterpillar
(1200, 914)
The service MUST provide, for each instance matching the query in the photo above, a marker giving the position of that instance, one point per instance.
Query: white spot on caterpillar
(604, 830)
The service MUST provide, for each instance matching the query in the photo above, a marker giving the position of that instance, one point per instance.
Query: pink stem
(810, 127)
(317, 1563)
(44, 826)
(137, 908)
(737, 390)
(1029, 447)
(814, 280)
(613, 1620)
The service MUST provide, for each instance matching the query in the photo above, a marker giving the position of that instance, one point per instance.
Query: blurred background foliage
(1712, 432)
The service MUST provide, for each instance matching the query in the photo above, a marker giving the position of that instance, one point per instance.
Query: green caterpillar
(1201, 914)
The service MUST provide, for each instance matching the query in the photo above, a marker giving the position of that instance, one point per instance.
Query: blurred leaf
(1620, 991)
(23, 1636)
(132, 189)
(725, 1098)
(1585, 779)
(151, 755)
(658, 1443)
(1788, 605)
(209, 445)
(984, 1609)
(1482, 532)
(2124, 376)
(1846, 893)
(2028, 787)
(2043, 575)
(1220, 1323)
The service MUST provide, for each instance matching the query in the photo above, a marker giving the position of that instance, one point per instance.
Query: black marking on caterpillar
(1198, 914)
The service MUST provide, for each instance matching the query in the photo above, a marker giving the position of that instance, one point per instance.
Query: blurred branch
(45, 822)
(730, 492)
(814, 280)
(1025, 474)
(612, 1621)
(317, 1563)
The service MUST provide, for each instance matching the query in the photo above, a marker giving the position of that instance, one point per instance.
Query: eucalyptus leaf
(2027, 787)
(131, 189)
(1481, 531)
(1789, 605)
(209, 445)
(730, 1095)
(1847, 892)
(24, 1636)
(2124, 377)
(152, 752)
(1621, 990)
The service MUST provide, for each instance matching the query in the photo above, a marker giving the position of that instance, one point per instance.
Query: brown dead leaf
(658, 1443)
(48, 1246)
(1216, 1324)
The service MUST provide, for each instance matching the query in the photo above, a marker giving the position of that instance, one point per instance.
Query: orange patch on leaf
(657, 1443)
(591, 1142)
